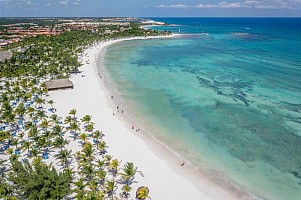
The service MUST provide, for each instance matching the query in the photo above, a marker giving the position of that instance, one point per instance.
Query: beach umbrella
(142, 193)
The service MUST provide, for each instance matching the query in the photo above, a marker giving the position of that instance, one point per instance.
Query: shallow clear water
(227, 97)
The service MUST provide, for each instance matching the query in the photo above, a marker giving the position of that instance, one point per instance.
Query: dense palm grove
(31, 132)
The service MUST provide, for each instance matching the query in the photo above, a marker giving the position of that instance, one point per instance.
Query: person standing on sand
(183, 163)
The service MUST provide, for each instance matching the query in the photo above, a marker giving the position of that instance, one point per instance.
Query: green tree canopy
(38, 181)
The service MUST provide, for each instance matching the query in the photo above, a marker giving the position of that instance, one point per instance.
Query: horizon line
(153, 17)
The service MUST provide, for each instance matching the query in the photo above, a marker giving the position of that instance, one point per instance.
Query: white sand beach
(166, 178)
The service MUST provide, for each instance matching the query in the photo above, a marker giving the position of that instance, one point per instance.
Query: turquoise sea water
(227, 96)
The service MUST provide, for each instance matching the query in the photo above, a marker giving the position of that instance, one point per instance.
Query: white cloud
(258, 4)
(64, 2)
(76, 2)
(37, 4)
(16, 1)
(25, 4)
(222, 4)
(173, 6)
(229, 5)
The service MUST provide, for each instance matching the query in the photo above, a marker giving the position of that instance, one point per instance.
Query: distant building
(122, 29)
(3, 44)
(108, 32)
(152, 22)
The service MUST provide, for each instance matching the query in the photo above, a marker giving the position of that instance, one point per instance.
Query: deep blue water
(226, 95)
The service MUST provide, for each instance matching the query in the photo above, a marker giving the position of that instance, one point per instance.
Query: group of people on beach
(122, 111)
(133, 127)
(118, 109)
(137, 130)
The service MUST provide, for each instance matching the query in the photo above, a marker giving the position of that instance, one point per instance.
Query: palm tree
(43, 89)
(68, 120)
(30, 112)
(99, 195)
(126, 191)
(45, 124)
(57, 130)
(51, 102)
(108, 159)
(14, 158)
(90, 127)
(88, 171)
(129, 171)
(28, 96)
(7, 112)
(21, 136)
(78, 156)
(100, 164)
(64, 156)
(102, 147)
(2, 137)
(68, 171)
(40, 101)
(111, 188)
(33, 132)
(72, 112)
(75, 127)
(87, 119)
(60, 142)
(43, 143)
(97, 135)
(3, 168)
(80, 188)
(101, 174)
(40, 114)
(83, 137)
(88, 150)
(93, 185)
(113, 166)
(15, 142)
(34, 152)
(20, 110)
(26, 145)
(6, 191)
(55, 119)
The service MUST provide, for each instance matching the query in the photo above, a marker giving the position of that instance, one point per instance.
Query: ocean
(225, 94)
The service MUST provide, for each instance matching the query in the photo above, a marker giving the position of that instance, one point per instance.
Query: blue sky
(150, 8)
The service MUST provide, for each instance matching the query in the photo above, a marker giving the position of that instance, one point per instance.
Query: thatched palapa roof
(59, 84)
(5, 55)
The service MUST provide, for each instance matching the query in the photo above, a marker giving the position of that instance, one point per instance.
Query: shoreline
(91, 96)
(191, 171)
